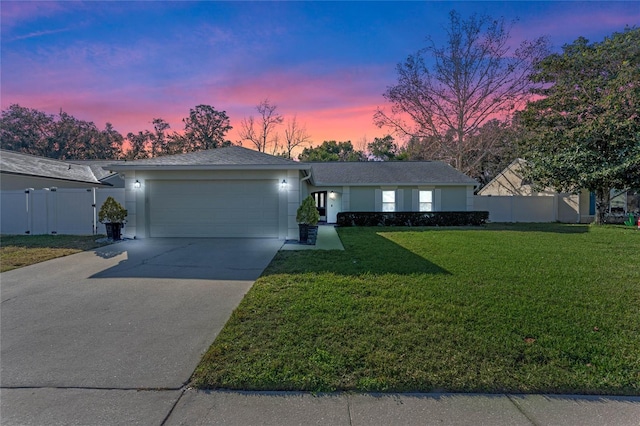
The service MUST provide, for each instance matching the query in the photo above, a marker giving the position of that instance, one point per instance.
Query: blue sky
(327, 62)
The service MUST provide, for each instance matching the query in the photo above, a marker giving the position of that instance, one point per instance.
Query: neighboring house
(103, 175)
(41, 195)
(20, 171)
(238, 192)
(567, 207)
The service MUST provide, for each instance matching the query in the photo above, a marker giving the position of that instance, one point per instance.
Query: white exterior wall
(369, 198)
(137, 199)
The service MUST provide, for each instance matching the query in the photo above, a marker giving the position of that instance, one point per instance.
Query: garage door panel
(213, 208)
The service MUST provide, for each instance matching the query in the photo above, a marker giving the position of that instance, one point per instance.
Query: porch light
(283, 185)
(137, 184)
(332, 195)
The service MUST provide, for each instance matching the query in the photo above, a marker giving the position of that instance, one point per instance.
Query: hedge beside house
(412, 218)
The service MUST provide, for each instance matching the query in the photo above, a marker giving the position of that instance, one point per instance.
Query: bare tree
(295, 135)
(475, 77)
(260, 132)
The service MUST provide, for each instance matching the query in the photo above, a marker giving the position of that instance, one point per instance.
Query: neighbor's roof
(375, 173)
(97, 167)
(18, 163)
(232, 157)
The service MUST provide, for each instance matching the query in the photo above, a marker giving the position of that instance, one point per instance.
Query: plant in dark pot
(307, 217)
(113, 215)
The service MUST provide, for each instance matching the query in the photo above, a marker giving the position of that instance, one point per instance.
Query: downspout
(300, 188)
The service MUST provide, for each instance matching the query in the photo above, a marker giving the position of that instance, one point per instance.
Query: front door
(321, 203)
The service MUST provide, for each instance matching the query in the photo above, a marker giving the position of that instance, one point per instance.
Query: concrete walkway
(328, 239)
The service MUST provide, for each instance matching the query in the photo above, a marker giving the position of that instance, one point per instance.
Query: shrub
(307, 213)
(112, 212)
(412, 218)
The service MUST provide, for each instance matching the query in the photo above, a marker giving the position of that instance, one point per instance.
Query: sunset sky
(328, 62)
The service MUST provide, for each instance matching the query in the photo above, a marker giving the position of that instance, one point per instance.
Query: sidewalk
(83, 406)
(290, 408)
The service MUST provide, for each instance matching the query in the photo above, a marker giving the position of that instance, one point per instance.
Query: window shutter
(378, 203)
(399, 200)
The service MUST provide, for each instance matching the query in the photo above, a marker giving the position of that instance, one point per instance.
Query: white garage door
(247, 208)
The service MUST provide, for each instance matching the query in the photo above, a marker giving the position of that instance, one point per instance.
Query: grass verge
(17, 251)
(519, 309)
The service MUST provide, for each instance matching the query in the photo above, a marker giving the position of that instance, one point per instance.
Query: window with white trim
(388, 201)
(426, 201)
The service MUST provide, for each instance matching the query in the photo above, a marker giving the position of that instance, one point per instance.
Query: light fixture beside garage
(283, 185)
(137, 184)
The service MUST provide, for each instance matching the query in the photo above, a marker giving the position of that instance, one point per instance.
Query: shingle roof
(97, 167)
(232, 156)
(31, 165)
(387, 173)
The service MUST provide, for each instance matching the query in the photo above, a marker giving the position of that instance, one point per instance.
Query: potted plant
(307, 217)
(113, 215)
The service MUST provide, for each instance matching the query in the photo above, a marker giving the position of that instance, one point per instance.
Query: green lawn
(522, 308)
(17, 251)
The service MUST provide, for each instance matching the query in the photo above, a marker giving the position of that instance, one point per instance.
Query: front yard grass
(17, 251)
(508, 308)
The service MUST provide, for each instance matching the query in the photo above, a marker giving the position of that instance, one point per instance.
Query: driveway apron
(133, 315)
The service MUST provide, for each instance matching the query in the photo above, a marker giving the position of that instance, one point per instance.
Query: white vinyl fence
(558, 207)
(54, 211)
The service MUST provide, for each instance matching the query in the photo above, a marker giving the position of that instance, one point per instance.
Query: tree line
(65, 137)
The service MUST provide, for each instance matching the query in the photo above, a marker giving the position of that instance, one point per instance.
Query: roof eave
(396, 184)
(163, 167)
(98, 183)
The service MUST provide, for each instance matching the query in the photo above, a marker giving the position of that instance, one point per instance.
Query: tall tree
(112, 141)
(446, 93)
(295, 135)
(584, 131)
(206, 128)
(138, 145)
(159, 138)
(383, 149)
(501, 140)
(26, 130)
(261, 131)
(332, 151)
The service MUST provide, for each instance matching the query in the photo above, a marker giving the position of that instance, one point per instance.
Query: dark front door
(321, 202)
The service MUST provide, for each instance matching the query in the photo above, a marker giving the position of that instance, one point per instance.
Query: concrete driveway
(130, 317)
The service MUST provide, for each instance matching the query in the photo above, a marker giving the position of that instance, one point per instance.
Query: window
(388, 201)
(426, 201)
(321, 200)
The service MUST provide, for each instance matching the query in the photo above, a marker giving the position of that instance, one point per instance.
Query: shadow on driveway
(189, 258)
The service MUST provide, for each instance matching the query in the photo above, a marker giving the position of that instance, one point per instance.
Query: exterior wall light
(332, 195)
(283, 185)
(137, 184)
